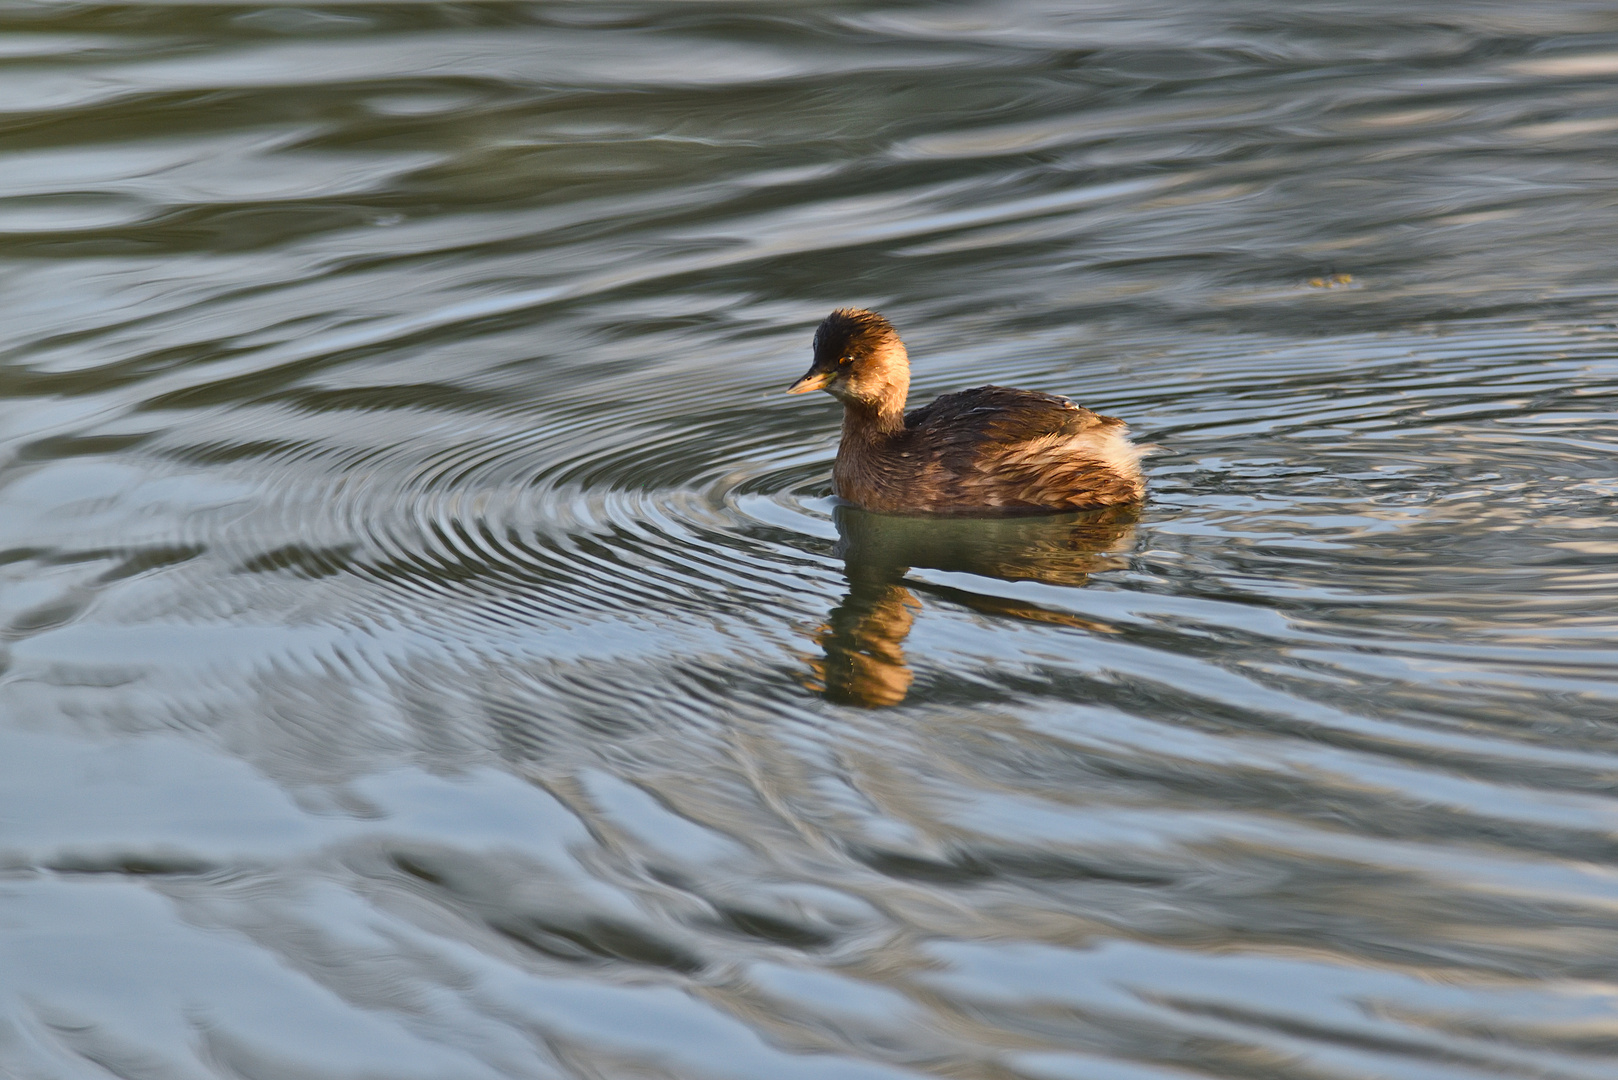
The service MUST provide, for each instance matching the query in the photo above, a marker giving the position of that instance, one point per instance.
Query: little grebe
(984, 451)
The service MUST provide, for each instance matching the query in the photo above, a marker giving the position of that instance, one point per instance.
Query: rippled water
(430, 647)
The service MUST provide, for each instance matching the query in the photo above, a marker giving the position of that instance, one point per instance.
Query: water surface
(429, 646)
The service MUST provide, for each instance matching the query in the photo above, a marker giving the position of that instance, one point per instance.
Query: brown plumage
(984, 451)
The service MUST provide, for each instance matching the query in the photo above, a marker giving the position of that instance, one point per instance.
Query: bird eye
(846, 360)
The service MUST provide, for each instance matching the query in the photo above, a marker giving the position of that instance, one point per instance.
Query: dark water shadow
(863, 661)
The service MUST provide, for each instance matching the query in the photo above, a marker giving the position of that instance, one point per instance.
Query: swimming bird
(992, 450)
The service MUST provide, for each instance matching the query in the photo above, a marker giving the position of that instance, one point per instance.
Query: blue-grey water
(429, 647)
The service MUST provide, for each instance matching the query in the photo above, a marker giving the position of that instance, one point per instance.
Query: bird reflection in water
(863, 641)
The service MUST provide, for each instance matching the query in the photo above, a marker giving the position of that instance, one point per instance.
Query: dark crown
(847, 328)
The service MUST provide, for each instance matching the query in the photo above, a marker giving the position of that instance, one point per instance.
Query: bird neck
(871, 421)
(877, 408)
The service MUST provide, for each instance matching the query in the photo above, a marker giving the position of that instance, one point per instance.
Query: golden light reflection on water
(863, 641)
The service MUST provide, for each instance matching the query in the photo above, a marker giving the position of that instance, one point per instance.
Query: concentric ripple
(429, 646)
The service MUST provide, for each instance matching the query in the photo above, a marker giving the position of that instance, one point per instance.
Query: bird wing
(1001, 416)
(996, 448)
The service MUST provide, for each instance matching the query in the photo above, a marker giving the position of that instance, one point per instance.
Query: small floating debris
(1331, 281)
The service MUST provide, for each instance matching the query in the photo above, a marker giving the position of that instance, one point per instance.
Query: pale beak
(815, 380)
